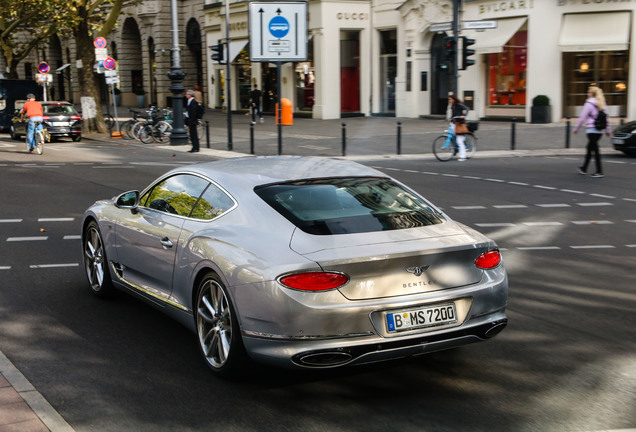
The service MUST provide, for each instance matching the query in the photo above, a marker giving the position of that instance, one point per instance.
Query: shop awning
(493, 40)
(595, 32)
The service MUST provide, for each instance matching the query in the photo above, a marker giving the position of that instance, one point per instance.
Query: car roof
(249, 172)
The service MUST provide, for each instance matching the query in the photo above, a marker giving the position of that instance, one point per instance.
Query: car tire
(96, 262)
(14, 136)
(76, 138)
(217, 327)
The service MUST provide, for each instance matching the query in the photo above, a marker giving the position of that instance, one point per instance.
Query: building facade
(379, 57)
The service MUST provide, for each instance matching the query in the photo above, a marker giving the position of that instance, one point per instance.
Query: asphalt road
(566, 362)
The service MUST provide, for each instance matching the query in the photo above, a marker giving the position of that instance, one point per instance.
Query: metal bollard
(252, 137)
(344, 139)
(399, 138)
(513, 134)
(567, 133)
(207, 133)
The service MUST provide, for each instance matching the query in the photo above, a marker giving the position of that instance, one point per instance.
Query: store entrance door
(349, 71)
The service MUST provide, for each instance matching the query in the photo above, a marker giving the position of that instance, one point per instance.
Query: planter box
(541, 114)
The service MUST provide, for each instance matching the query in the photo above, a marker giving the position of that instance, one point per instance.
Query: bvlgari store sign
(506, 6)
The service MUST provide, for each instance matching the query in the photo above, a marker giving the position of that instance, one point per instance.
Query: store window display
(507, 72)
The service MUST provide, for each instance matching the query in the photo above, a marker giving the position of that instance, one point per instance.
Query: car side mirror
(128, 200)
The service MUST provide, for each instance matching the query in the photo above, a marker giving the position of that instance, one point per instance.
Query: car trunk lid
(398, 263)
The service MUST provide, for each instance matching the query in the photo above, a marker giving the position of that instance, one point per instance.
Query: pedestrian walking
(595, 118)
(255, 103)
(192, 119)
(458, 113)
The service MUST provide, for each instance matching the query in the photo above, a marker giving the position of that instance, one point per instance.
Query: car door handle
(166, 243)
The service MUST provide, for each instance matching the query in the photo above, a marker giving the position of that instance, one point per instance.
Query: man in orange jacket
(33, 110)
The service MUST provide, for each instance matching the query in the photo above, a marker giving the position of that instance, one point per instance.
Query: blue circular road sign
(279, 27)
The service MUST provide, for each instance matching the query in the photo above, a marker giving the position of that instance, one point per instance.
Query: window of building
(305, 80)
(388, 69)
(605, 69)
(507, 72)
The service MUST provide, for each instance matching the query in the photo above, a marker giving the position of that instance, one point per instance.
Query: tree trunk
(88, 81)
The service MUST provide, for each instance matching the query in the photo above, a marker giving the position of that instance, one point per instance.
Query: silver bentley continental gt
(297, 262)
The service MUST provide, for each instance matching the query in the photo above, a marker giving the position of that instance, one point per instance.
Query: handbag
(461, 129)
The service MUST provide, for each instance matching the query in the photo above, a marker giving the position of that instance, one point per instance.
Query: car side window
(212, 204)
(175, 195)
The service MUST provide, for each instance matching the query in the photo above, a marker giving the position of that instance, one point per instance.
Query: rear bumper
(370, 349)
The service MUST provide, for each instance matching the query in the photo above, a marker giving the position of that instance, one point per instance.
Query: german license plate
(60, 123)
(421, 317)
(617, 141)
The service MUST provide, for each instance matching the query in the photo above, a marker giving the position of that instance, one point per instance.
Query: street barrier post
(567, 133)
(207, 133)
(513, 134)
(252, 137)
(344, 139)
(399, 138)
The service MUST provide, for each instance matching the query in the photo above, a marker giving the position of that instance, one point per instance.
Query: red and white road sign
(43, 68)
(99, 42)
(109, 63)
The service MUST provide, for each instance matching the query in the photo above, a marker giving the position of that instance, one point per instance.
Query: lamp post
(179, 135)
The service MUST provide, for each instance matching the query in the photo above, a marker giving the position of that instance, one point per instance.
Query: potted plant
(541, 111)
(141, 97)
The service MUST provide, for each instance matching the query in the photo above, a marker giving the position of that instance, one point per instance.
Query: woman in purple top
(594, 103)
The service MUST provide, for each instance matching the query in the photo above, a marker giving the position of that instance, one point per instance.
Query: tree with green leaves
(26, 25)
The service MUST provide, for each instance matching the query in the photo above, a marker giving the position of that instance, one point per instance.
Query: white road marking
(535, 224)
(5, 267)
(539, 248)
(593, 222)
(36, 266)
(594, 204)
(477, 207)
(544, 187)
(72, 237)
(56, 219)
(495, 180)
(572, 191)
(603, 196)
(510, 206)
(553, 205)
(491, 225)
(593, 247)
(18, 239)
(10, 220)
(518, 183)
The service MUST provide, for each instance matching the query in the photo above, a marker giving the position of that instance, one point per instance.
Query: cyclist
(33, 110)
(458, 117)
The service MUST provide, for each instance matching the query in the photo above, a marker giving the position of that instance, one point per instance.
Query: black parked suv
(624, 138)
(60, 119)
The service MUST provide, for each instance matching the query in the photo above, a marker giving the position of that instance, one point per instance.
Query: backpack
(200, 110)
(600, 122)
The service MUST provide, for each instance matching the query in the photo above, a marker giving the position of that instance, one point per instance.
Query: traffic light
(467, 52)
(451, 49)
(218, 52)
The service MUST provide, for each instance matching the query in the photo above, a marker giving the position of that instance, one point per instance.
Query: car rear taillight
(46, 118)
(488, 260)
(76, 117)
(314, 281)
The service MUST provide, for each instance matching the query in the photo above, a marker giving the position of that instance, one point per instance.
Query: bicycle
(445, 146)
(41, 136)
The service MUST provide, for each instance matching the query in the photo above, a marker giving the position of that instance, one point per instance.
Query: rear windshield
(58, 109)
(348, 205)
